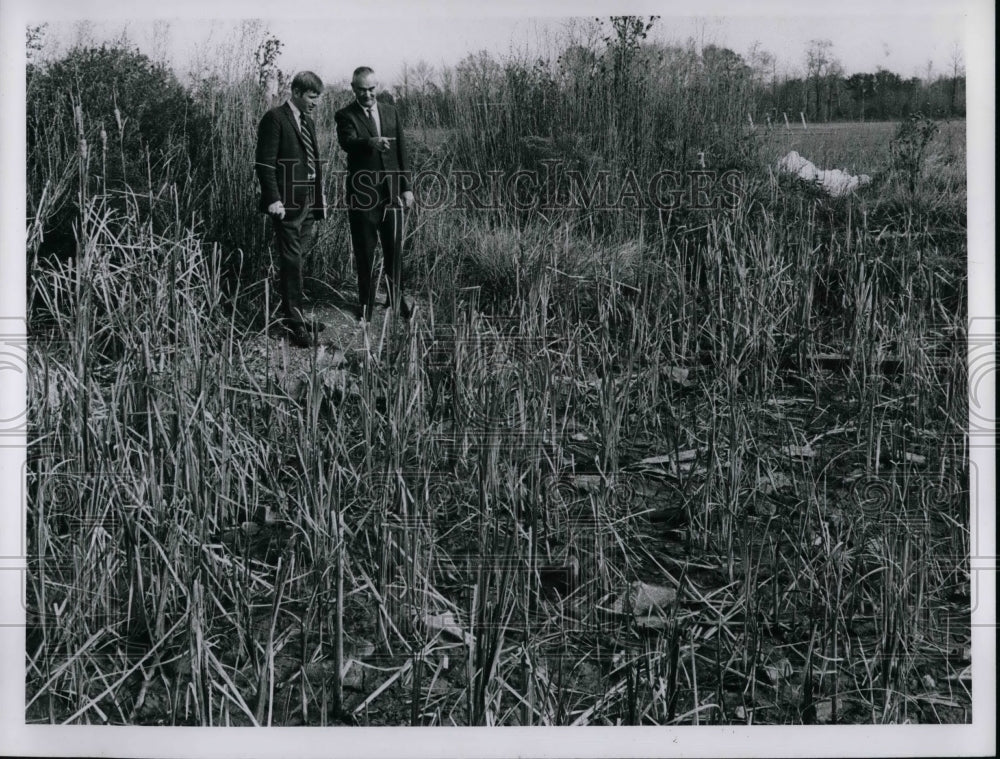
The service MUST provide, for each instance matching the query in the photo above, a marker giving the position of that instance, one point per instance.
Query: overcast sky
(332, 38)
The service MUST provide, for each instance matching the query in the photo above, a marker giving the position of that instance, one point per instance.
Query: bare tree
(929, 72)
(861, 85)
(83, 33)
(423, 75)
(819, 63)
(159, 42)
(34, 42)
(834, 79)
(763, 64)
(957, 62)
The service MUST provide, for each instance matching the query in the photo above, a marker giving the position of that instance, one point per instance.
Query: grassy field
(862, 148)
(621, 469)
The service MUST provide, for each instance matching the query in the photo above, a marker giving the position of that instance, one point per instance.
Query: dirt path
(340, 346)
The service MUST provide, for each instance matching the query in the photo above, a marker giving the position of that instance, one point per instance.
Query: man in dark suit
(378, 189)
(290, 173)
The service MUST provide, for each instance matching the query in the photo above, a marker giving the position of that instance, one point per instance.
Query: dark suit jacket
(281, 167)
(373, 177)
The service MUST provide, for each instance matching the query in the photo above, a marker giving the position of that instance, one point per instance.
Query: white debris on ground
(833, 182)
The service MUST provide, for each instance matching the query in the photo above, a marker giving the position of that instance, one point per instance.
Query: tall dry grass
(761, 411)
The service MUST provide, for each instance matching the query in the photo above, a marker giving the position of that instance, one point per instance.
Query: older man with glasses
(378, 189)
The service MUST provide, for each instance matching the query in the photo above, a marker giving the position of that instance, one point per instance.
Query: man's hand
(277, 209)
(408, 199)
(381, 144)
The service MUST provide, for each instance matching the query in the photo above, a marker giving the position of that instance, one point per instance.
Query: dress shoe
(300, 337)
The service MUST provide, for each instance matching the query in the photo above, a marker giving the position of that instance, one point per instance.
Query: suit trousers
(292, 238)
(383, 223)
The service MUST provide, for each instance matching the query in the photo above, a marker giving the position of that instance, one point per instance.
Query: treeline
(882, 96)
(823, 93)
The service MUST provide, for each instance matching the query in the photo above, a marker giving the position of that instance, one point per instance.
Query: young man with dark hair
(378, 189)
(290, 173)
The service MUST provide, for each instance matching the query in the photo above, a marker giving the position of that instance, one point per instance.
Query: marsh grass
(760, 409)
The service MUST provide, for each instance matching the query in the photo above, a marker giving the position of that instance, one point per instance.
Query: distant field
(860, 147)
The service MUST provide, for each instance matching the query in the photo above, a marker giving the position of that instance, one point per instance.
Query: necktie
(307, 141)
(373, 122)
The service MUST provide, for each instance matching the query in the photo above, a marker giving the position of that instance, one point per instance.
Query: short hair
(361, 71)
(307, 81)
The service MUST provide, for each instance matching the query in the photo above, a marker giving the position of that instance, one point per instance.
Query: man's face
(364, 88)
(305, 100)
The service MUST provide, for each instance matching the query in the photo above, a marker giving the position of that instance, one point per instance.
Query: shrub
(137, 123)
(909, 147)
